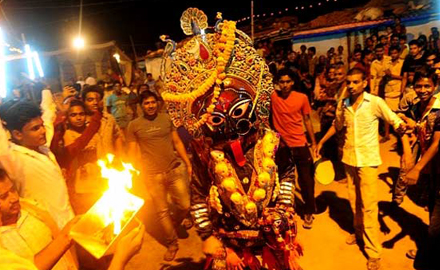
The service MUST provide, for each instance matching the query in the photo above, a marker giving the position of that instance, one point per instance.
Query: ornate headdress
(212, 60)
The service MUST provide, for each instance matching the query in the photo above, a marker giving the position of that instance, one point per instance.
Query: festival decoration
(203, 65)
(218, 88)
(282, 11)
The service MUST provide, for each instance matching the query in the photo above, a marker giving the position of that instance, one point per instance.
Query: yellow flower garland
(223, 49)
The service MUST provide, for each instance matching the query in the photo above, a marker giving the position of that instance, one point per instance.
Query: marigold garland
(223, 50)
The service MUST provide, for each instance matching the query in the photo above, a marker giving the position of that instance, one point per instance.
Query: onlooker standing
(117, 106)
(303, 58)
(422, 111)
(163, 172)
(28, 159)
(357, 58)
(430, 57)
(384, 40)
(404, 48)
(434, 40)
(290, 110)
(427, 256)
(377, 69)
(365, 64)
(393, 85)
(399, 28)
(358, 117)
(394, 41)
(313, 60)
(75, 149)
(427, 129)
(132, 102)
(414, 61)
(369, 44)
(292, 62)
(151, 83)
(339, 57)
(110, 138)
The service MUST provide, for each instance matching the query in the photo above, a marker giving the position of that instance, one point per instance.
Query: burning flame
(116, 200)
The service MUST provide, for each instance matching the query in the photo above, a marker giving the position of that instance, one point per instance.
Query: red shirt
(287, 115)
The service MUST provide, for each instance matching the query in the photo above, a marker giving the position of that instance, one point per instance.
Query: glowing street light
(2, 66)
(78, 43)
(29, 57)
(38, 64)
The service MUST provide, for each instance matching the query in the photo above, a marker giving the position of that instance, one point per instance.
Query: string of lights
(285, 10)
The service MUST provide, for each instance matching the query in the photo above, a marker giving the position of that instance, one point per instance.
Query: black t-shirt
(410, 64)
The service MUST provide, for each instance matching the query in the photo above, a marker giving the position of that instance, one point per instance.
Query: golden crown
(202, 64)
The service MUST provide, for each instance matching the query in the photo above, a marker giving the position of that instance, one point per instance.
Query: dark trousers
(306, 171)
(428, 255)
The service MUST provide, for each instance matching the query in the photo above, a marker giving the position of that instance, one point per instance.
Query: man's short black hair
(90, 89)
(429, 53)
(403, 37)
(378, 46)
(414, 42)
(19, 114)
(288, 72)
(357, 51)
(425, 72)
(303, 47)
(365, 53)
(312, 49)
(77, 102)
(147, 94)
(394, 48)
(355, 71)
(144, 84)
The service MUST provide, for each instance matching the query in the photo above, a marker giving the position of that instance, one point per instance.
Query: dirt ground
(324, 245)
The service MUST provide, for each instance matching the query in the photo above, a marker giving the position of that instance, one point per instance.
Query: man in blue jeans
(163, 171)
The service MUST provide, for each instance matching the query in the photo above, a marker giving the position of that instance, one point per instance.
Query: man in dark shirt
(163, 172)
(414, 61)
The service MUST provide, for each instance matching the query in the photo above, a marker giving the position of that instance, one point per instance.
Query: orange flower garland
(223, 50)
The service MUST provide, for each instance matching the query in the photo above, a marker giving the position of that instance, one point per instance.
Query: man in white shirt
(28, 159)
(358, 117)
(31, 233)
(30, 239)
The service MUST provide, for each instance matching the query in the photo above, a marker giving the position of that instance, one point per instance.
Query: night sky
(52, 24)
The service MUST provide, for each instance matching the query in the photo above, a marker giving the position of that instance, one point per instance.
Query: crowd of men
(49, 149)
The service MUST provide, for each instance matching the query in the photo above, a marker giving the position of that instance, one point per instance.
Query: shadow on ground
(410, 224)
(184, 264)
(418, 193)
(393, 174)
(339, 209)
